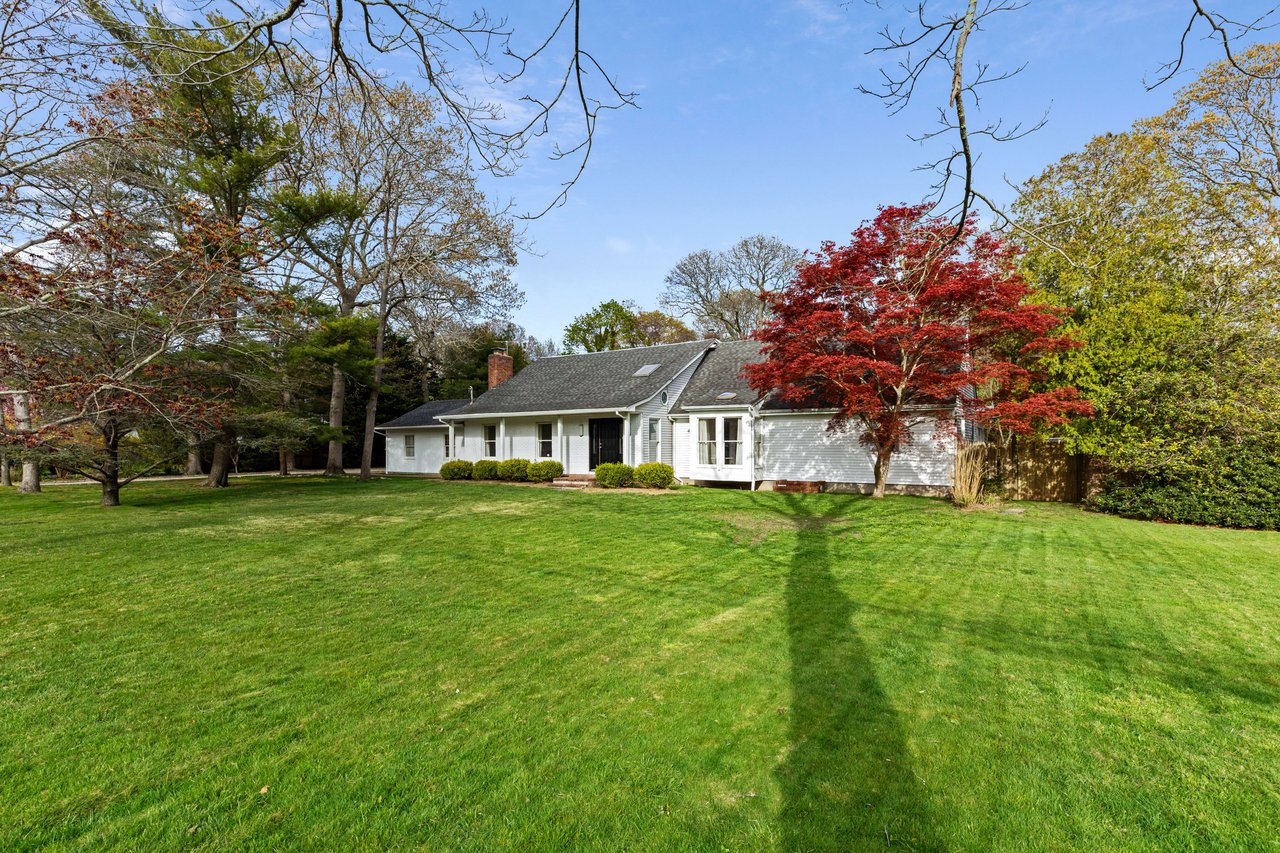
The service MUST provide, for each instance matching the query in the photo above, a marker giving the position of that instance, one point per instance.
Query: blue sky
(750, 121)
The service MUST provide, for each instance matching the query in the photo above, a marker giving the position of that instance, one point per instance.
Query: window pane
(544, 441)
(408, 445)
(446, 445)
(707, 442)
(732, 441)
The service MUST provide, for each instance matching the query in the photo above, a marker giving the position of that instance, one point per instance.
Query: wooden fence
(1038, 471)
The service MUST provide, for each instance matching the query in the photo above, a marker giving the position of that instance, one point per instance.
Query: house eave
(723, 407)
(479, 416)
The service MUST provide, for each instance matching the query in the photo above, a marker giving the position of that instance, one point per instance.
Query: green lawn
(409, 664)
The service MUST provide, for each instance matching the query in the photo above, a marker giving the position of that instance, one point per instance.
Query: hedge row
(1241, 490)
(516, 470)
(650, 475)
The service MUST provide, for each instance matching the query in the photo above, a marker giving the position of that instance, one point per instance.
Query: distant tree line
(217, 247)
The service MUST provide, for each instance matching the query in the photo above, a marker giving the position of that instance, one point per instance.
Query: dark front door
(606, 441)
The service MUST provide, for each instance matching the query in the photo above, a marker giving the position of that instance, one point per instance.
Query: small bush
(545, 471)
(456, 469)
(655, 475)
(513, 469)
(614, 475)
(485, 469)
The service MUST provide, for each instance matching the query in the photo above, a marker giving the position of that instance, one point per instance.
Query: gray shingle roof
(592, 381)
(426, 415)
(721, 373)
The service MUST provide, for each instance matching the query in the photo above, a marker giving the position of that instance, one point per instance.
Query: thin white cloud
(823, 19)
(619, 246)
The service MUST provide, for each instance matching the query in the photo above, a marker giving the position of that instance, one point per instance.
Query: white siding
(428, 451)
(799, 447)
(578, 461)
(676, 387)
(680, 448)
(521, 440)
(667, 451)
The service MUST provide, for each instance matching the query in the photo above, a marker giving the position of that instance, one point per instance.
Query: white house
(683, 404)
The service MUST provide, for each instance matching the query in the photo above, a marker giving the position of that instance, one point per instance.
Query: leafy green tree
(610, 325)
(465, 366)
(1177, 317)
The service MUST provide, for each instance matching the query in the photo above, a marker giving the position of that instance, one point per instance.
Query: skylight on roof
(646, 370)
(726, 395)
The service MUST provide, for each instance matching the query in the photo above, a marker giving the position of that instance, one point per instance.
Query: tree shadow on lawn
(847, 782)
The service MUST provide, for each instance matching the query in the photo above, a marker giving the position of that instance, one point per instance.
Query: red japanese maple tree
(905, 325)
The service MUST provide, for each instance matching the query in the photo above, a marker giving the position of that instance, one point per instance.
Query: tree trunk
(284, 463)
(220, 468)
(195, 464)
(111, 467)
(883, 455)
(30, 484)
(370, 417)
(337, 401)
(371, 407)
(6, 475)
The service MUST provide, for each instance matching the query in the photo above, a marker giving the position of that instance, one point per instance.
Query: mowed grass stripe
(411, 664)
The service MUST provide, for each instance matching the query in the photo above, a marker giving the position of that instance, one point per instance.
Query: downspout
(754, 411)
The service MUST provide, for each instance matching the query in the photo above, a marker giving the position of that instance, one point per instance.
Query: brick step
(573, 483)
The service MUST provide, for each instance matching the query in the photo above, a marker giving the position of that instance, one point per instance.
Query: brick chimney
(501, 368)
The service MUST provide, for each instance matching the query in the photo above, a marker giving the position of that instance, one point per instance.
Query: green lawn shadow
(847, 782)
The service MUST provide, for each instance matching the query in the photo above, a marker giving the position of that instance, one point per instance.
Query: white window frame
(708, 441)
(725, 442)
(489, 445)
(448, 451)
(546, 446)
(410, 445)
(653, 445)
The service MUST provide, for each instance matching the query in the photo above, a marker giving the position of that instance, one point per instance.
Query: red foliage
(112, 312)
(904, 324)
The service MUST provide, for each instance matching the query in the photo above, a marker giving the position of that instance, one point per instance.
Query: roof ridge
(707, 341)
